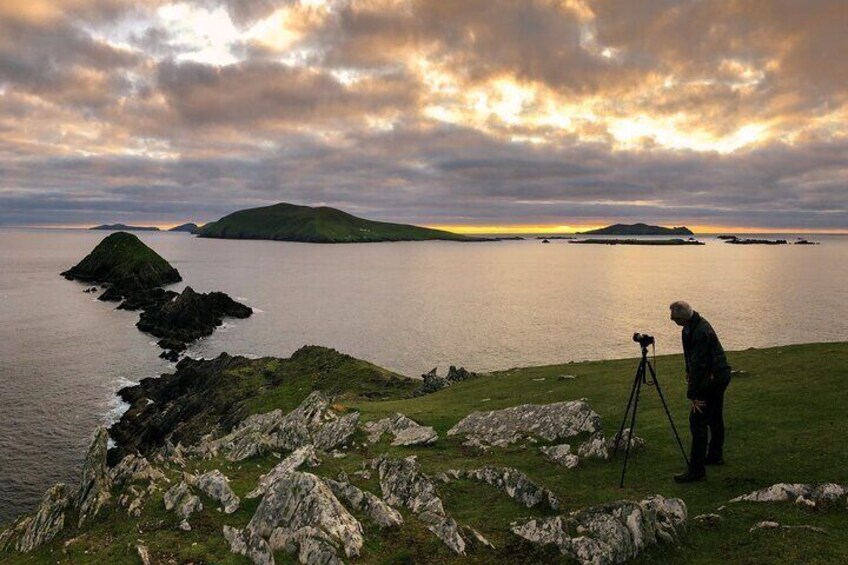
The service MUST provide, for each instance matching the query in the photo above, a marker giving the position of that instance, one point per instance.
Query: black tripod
(641, 378)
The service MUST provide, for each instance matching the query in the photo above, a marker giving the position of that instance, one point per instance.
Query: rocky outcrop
(516, 485)
(42, 526)
(405, 431)
(305, 455)
(433, 382)
(594, 448)
(95, 483)
(609, 533)
(552, 422)
(561, 454)
(771, 525)
(134, 468)
(300, 515)
(381, 513)
(216, 486)
(808, 495)
(180, 499)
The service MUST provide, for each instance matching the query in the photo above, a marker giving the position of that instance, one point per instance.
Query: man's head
(681, 312)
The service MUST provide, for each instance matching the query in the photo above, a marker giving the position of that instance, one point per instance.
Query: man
(707, 376)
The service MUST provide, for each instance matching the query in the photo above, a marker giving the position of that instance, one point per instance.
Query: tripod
(641, 378)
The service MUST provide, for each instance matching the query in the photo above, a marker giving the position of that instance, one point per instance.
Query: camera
(643, 339)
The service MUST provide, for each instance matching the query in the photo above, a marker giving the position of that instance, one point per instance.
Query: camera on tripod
(643, 339)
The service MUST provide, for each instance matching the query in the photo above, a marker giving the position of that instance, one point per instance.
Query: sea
(408, 306)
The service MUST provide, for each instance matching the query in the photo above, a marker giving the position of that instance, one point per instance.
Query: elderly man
(707, 376)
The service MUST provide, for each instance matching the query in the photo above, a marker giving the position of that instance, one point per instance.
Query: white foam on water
(258, 311)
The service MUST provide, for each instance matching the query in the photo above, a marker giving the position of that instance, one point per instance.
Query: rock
(95, 484)
(171, 356)
(594, 448)
(184, 525)
(134, 468)
(40, 527)
(709, 520)
(552, 422)
(381, 513)
(771, 525)
(784, 492)
(405, 431)
(300, 456)
(143, 554)
(336, 432)
(516, 484)
(609, 533)
(433, 382)
(300, 515)
(765, 525)
(561, 454)
(215, 485)
(180, 498)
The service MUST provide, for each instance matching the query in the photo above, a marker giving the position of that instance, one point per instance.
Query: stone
(405, 431)
(785, 492)
(636, 442)
(95, 483)
(561, 454)
(180, 498)
(771, 525)
(42, 526)
(337, 432)
(516, 485)
(134, 468)
(143, 554)
(300, 456)
(552, 422)
(184, 525)
(709, 520)
(609, 533)
(381, 513)
(432, 382)
(594, 448)
(216, 485)
(300, 515)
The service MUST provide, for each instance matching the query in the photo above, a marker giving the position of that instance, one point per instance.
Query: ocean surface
(405, 306)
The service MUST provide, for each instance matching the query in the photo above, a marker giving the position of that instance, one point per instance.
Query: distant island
(675, 241)
(123, 227)
(638, 229)
(189, 228)
(290, 222)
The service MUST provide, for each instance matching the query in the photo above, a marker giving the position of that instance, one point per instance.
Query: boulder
(516, 485)
(433, 382)
(95, 483)
(561, 454)
(594, 448)
(134, 468)
(180, 499)
(609, 533)
(42, 526)
(300, 456)
(216, 486)
(404, 430)
(798, 492)
(381, 513)
(552, 422)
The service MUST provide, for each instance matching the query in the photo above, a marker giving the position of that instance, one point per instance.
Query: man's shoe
(719, 461)
(689, 477)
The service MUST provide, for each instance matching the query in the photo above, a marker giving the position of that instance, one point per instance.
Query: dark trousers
(707, 428)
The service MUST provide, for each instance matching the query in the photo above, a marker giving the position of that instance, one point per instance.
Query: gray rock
(594, 448)
(300, 515)
(381, 513)
(134, 468)
(42, 526)
(635, 442)
(516, 485)
(300, 456)
(180, 498)
(405, 431)
(709, 520)
(770, 525)
(215, 485)
(798, 492)
(552, 422)
(609, 533)
(433, 382)
(561, 454)
(143, 554)
(336, 432)
(95, 484)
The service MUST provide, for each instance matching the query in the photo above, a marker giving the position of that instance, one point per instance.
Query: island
(675, 241)
(291, 222)
(124, 227)
(638, 229)
(754, 241)
(188, 228)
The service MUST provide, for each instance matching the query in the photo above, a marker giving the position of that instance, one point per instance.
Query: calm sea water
(405, 306)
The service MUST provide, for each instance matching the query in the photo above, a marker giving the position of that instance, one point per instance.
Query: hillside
(784, 412)
(638, 229)
(289, 222)
(190, 227)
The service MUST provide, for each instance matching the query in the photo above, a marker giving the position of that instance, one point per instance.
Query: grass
(785, 419)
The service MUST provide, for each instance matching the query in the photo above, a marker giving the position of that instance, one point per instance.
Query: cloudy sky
(475, 113)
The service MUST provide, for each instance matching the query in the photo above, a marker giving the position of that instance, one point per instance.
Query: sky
(479, 115)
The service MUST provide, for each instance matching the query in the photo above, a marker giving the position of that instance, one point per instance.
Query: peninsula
(290, 222)
(123, 227)
(638, 229)
(190, 227)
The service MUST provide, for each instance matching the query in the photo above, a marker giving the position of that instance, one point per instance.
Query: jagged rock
(433, 382)
(709, 520)
(180, 497)
(300, 515)
(561, 454)
(609, 533)
(134, 468)
(336, 432)
(635, 442)
(42, 526)
(405, 431)
(143, 554)
(95, 484)
(784, 492)
(552, 422)
(300, 456)
(594, 448)
(215, 485)
(516, 484)
(184, 525)
(381, 513)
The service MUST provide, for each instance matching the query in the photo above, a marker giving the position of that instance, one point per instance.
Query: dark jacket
(706, 364)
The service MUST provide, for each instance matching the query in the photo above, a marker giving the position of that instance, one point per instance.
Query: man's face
(678, 320)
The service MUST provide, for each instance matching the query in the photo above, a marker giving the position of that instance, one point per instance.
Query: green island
(638, 229)
(674, 241)
(290, 222)
(785, 415)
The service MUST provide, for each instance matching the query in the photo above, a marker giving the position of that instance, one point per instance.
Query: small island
(290, 222)
(638, 229)
(676, 241)
(742, 241)
(190, 227)
(123, 227)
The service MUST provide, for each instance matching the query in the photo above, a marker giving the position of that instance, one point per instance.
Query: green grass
(289, 222)
(785, 419)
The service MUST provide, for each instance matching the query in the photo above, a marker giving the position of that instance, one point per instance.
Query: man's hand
(699, 405)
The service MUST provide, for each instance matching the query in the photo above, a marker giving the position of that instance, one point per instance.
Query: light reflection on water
(405, 306)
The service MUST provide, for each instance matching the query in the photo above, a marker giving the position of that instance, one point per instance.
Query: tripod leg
(668, 413)
(636, 381)
(640, 373)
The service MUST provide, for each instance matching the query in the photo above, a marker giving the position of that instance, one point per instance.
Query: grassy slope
(786, 422)
(121, 256)
(289, 222)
